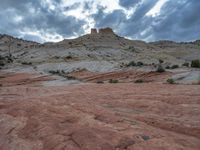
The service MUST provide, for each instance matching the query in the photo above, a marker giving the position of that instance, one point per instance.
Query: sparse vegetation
(170, 81)
(145, 137)
(19, 44)
(195, 64)
(139, 81)
(132, 48)
(99, 82)
(113, 81)
(68, 57)
(58, 72)
(160, 69)
(63, 74)
(139, 63)
(56, 57)
(26, 63)
(174, 66)
(5, 59)
(160, 61)
(53, 71)
(167, 67)
(70, 77)
(2, 63)
(186, 64)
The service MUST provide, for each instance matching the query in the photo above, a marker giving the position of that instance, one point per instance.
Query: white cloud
(156, 9)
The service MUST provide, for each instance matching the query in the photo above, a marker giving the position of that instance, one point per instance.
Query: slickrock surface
(50, 99)
(147, 116)
(122, 76)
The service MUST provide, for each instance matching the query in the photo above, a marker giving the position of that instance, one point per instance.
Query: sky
(55, 20)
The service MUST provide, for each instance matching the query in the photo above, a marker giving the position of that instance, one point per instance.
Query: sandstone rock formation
(106, 31)
(93, 31)
(102, 31)
(97, 117)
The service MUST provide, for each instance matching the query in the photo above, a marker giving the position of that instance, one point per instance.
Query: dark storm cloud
(142, 9)
(112, 19)
(132, 26)
(178, 20)
(37, 16)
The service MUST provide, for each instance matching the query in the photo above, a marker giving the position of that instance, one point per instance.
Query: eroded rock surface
(91, 116)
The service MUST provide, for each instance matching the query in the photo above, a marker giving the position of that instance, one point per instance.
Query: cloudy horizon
(55, 20)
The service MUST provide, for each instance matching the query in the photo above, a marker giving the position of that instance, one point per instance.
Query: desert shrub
(2, 63)
(113, 81)
(58, 72)
(70, 77)
(160, 61)
(54, 72)
(132, 63)
(132, 48)
(2, 58)
(167, 67)
(174, 66)
(195, 64)
(68, 57)
(160, 69)
(170, 81)
(100, 82)
(145, 137)
(57, 57)
(26, 63)
(139, 81)
(186, 64)
(139, 63)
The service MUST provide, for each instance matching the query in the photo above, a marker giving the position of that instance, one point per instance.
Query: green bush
(68, 57)
(54, 72)
(160, 61)
(174, 66)
(195, 64)
(26, 63)
(170, 81)
(186, 64)
(139, 81)
(139, 63)
(58, 72)
(100, 82)
(2, 63)
(113, 81)
(70, 77)
(167, 67)
(160, 69)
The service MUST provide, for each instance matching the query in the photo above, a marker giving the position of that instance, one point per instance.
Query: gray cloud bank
(178, 20)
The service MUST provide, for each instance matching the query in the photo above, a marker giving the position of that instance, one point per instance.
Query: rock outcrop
(102, 31)
(106, 31)
(94, 31)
